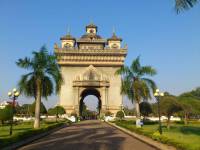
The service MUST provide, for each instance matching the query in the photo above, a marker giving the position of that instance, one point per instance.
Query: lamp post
(13, 95)
(56, 112)
(157, 95)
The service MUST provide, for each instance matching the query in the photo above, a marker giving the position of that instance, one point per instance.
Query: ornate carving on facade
(91, 49)
(91, 77)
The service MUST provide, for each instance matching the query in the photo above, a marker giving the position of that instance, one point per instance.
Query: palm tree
(43, 79)
(135, 84)
(181, 5)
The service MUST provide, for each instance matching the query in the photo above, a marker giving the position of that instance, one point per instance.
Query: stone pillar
(107, 97)
(77, 100)
(103, 99)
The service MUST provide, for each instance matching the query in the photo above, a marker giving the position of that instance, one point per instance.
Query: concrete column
(103, 99)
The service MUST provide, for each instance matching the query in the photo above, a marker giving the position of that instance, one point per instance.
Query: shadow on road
(87, 135)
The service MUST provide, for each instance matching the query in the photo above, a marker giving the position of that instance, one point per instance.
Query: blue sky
(152, 29)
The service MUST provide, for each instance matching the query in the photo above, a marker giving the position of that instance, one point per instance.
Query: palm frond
(147, 70)
(145, 91)
(27, 85)
(25, 63)
(141, 91)
(135, 66)
(126, 89)
(184, 4)
(47, 87)
(124, 70)
(150, 83)
(54, 71)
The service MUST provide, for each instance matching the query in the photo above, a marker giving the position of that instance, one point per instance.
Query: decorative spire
(91, 21)
(55, 46)
(68, 36)
(68, 30)
(113, 30)
(114, 36)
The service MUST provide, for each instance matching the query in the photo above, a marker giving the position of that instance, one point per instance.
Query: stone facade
(88, 66)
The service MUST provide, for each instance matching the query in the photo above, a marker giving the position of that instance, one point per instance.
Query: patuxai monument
(88, 65)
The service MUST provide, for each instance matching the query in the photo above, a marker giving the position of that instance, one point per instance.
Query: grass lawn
(180, 136)
(24, 130)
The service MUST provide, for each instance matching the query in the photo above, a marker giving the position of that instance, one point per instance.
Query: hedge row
(154, 135)
(26, 134)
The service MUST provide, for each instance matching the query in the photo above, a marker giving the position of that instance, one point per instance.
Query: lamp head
(161, 94)
(14, 90)
(9, 94)
(16, 94)
(156, 94)
(157, 90)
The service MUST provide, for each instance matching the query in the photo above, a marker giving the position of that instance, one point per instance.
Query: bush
(120, 115)
(58, 109)
(145, 109)
(150, 133)
(108, 113)
(20, 136)
(6, 113)
(149, 122)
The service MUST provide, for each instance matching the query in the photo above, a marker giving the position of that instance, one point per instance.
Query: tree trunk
(37, 104)
(138, 120)
(186, 119)
(168, 122)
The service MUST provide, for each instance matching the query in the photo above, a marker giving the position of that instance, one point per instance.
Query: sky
(151, 29)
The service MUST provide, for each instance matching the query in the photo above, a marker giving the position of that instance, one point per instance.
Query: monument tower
(88, 65)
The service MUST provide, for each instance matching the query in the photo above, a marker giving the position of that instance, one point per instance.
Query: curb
(33, 138)
(143, 138)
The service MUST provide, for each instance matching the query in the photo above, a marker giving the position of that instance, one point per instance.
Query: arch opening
(90, 104)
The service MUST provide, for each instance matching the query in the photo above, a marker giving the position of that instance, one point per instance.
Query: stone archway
(91, 82)
(85, 93)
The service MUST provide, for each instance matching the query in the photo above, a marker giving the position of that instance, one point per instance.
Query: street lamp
(13, 95)
(157, 95)
(56, 112)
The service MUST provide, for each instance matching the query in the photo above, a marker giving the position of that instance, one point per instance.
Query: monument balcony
(76, 50)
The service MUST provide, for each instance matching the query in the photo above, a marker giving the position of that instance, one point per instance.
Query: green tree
(190, 107)
(6, 113)
(56, 110)
(181, 5)
(145, 109)
(192, 94)
(120, 115)
(169, 106)
(43, 78)
(135, 84)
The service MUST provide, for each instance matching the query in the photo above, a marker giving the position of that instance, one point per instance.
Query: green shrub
(164, 138)
(149, 122)
(26, 134)
(6, 113)
(179, 122)
(58, 109)
(120, 115)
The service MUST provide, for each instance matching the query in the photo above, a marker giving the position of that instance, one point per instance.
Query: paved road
(88, 135)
